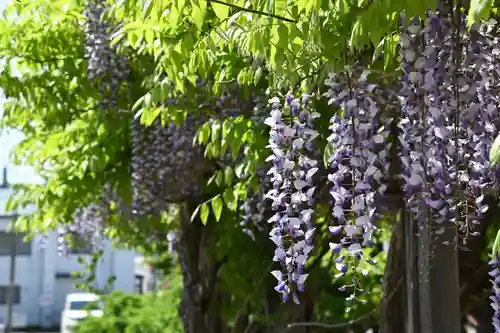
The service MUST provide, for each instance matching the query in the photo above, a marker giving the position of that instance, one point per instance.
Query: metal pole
(10, 290)
(153, 272)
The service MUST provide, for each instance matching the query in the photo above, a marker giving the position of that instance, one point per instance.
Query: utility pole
(10, 291)
(12, 267)
(5, 182)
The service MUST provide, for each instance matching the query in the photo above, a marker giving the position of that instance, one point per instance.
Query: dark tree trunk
(439, 291)
(199, 302)
(475, 286)
(444, 284)
(392, 319)
(393, 303)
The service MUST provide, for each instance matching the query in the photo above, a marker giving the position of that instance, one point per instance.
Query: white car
(77, 307)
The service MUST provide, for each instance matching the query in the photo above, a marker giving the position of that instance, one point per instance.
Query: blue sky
(8, 139)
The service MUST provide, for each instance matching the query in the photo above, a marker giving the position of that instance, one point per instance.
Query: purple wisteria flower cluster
(254, 209)
(292, 194)
(412, 123)
(445, 111)
(107, 70)
(359, 163)
(482, 121)
(165, 165)
(104, 65)
(448, 121)
(87, 226)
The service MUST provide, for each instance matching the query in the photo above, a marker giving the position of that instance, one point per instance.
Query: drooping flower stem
(293, 189)
(411, 122)
(360, 135)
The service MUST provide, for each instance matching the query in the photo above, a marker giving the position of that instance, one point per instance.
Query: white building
(43, 277)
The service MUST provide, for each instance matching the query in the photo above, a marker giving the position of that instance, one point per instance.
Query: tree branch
(323, 325)
(339, 325)
(249, 10)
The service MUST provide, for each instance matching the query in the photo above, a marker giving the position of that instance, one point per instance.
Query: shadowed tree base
(198, 309)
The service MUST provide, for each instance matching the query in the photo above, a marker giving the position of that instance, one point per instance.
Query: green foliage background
(133, 313)
(80, 150)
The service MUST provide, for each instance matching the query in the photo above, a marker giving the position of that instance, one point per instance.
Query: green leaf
(180, 4)
(228, 175)
(195, 213)
(495, 151)
(204, 133)
(329, 151)
(174, 16)
(215, 128)
(205, 210)
(221, 11)
(356, 35)
(378, 50)
(149, 115)
(257, 75)
(390, 51)
(217, 207)
(479, 9)
(303, 5)
(496, 246)
(198, 15)
(239, 170)
(282, 36)
(149, 36)
(230, 199)
(219, 179)
(227, 126)
(342, 7)
(146, 10)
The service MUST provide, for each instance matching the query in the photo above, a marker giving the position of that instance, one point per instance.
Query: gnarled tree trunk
(199, 272)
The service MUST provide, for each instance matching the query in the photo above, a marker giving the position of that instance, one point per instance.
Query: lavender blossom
(343, 141)
(359, 162)
(441, 137)
(412, 123)
(254, 207)
(293, 189)
(105, 67)
(482, 120)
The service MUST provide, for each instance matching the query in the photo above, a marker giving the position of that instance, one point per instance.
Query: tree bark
(393, 301)
(438, 288)
(199, 271)
(444, 284)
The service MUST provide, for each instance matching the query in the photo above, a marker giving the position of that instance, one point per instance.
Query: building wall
(45, 274)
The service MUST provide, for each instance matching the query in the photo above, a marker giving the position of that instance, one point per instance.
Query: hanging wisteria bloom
(291, 137)
(483, 118)
(443, 131)
(359, 161)
(411, 123)
(483, 122)
(437, 120)
(87, 227)
(105, 67)
(255, 206)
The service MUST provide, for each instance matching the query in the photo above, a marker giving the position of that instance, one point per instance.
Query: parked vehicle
(77, 307)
